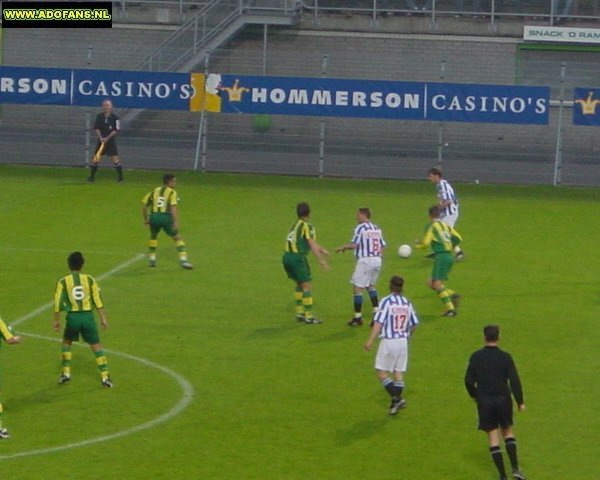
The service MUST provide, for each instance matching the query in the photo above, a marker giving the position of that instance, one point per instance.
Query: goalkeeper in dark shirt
(489, 374)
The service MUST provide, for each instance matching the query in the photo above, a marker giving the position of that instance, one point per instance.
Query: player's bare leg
(181, 251)
(496, 453)
(117, 164)
(510, 443)
(307, 303)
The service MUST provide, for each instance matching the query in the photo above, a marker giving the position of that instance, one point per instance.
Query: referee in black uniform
(489, 374)
(106, 126)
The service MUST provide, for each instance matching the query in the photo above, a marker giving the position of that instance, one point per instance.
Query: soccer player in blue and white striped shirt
(394, 322)
(447, 202)
(368, 244)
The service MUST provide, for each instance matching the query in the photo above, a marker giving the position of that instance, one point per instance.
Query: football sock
(457, 249)
(0, 413)
(496, 454)
(444, 295)
(399, 386)
(511, 449)
(358, 301)
(373, 297)
(102, 363)
(152, 244)
(119, 168)
(93, 170)
(180, 244)
(65, 354)
(388, 384)
(307, 303)
(298, 299)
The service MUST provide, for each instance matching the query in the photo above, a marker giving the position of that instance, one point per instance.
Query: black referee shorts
(110, 148)
(494, 413)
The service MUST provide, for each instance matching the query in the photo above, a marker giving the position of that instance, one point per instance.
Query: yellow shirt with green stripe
(297, 239)
(160, 200)
(77, 292)
(440, 237)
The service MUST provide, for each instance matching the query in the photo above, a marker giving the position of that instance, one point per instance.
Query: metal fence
(551, 12)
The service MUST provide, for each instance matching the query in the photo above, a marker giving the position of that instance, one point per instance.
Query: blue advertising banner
(380, 99)
(45, 86)
(55, 86)
(586, 106)
(452, 102)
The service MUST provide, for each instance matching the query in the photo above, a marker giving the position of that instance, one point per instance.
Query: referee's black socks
(511, 449)
(496, 454)
(119, 168)
(93, 170)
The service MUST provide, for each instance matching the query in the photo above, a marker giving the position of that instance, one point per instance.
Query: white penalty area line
(45, 306)
(182, 404)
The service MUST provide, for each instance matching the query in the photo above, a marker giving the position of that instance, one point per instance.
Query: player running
(442, 239)
(8, 337)
(106, 126)
(394, 322)
(447, 202)
(368, 244)
(301, 239)
(162, 203)
(78, 294)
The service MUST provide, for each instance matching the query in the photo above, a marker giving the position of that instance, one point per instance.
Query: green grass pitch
(274, 399)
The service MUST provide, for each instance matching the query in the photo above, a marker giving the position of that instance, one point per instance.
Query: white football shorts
(392, 355)
(450, 219)
(366, 272)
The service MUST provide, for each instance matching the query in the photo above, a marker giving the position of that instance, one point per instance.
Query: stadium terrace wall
(310, 146)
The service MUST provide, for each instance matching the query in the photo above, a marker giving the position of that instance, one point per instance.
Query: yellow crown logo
(588, 106)
(235, 93)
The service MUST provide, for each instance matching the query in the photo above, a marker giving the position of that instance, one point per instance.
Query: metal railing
(205, 26)
(553, 12)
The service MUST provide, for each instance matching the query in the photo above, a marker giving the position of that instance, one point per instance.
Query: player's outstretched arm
(375, 331)
(175, 216)
(145, 214)
(319, 251)
(56, 321)
(103, 319)
(347, 246)
(14, 340)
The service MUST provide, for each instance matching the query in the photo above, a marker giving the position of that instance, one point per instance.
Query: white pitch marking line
(182, 404)
(101, 277)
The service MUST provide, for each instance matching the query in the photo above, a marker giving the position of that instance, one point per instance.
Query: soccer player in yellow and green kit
(302, 239)
(162, 203)
(8, 337)
(78, 294)
(442, 239)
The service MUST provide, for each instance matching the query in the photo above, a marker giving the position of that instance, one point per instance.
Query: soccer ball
(404, 251)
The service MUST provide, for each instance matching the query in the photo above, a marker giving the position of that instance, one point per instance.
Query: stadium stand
(329, 42)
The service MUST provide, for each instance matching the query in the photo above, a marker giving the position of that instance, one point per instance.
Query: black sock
(93, 170)
(391, 389)
(374, 299)
(498, 460)
(511, 449)
(119, 171)
(399, 387)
